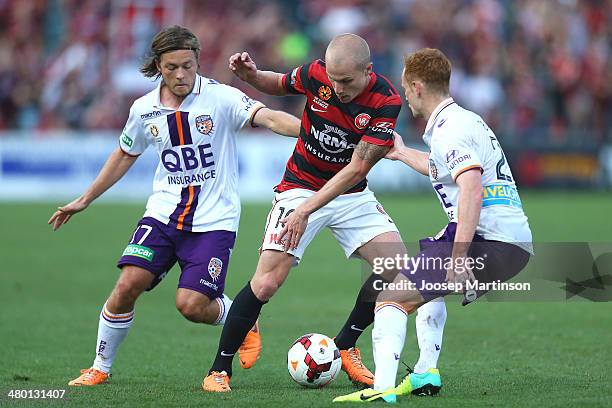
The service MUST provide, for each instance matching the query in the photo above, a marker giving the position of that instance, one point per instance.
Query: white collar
(434, 115)
(197, 89)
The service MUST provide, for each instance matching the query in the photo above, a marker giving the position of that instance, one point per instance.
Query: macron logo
(150, 115)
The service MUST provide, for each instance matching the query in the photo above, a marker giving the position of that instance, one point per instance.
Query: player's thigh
(204, 259)
(283, 205)
(150, 249)
(384, 253)
(272, 270)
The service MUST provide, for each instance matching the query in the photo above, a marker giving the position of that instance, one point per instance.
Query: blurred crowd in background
(537, 70)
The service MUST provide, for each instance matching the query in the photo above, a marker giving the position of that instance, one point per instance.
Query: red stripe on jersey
(377, 142)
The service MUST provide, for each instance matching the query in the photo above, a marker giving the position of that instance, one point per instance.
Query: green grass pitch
(52, 286)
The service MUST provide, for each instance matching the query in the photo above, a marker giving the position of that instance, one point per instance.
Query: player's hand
(243, 66)
(398, 145)
(294, 226)
(460, 272)
(63, 214)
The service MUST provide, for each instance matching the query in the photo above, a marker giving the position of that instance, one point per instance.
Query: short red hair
(431, 66)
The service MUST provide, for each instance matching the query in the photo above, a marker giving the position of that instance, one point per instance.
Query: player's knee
(125, 293)
(265, 287)
(268, 279)
(191, 310)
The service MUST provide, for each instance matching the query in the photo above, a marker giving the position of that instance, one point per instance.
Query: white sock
(224, 306)
(388, 337)
(429, 324)
(112, 329)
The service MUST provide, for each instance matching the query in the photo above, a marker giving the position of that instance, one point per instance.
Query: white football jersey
(196, 183)
(460, 140)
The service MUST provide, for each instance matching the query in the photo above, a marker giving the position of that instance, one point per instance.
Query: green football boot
(427, 383)
(369, 395)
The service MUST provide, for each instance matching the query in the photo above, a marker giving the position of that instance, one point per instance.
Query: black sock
(361, 316)
(240, 319)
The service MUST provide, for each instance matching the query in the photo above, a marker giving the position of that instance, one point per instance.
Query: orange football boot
(216, 382)
(354, 368)
(90, 376)
(250, 348)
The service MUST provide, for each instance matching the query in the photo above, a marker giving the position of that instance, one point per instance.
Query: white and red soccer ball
(314, 360)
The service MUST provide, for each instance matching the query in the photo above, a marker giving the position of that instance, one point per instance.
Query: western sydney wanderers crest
(433, 170)
(362, 120)
(214, 268)
(325, 92)
(204, 124)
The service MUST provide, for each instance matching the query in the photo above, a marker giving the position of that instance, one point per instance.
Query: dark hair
(169, 39)
(431, 66)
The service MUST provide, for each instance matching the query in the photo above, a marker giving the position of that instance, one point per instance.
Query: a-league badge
(325, 92)
(204, 124)
(214, 268)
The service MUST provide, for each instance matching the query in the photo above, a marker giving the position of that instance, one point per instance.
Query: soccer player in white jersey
(487, 238)
(193, 213)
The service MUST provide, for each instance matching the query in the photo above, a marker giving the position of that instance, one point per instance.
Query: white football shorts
(354, 219)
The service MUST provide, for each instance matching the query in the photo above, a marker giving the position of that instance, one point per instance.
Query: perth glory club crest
(204, 124)
(214, 268)
(433, 170)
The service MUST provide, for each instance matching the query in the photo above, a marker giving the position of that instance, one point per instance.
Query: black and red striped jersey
(331, 129)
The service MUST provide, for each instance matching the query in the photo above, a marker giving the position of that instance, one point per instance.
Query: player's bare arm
(365, 156)
(414, 158)
(279, 122)
(117, 164)
(243, 66)
(469, 205)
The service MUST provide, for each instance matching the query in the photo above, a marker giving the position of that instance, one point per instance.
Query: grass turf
(494, 354)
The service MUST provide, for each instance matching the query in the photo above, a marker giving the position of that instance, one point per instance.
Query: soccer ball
(314, 360)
